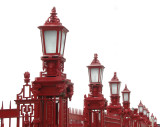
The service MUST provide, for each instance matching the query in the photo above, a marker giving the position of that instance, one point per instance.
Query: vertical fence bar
(54, 112)
(10, 118)
(60, 110)
(2, 122)
(66, 108)
(44, 115)
(19, 114)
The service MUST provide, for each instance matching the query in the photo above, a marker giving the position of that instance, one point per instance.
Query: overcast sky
(124, 33)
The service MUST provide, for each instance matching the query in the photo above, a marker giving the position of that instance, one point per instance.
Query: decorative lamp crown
(115, 78)
(140, 107)
(95, 70)
(115, 85)
(53, 19)
(126, 94)
(53, 35)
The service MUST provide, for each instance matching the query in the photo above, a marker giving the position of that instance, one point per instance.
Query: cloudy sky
(124, 33)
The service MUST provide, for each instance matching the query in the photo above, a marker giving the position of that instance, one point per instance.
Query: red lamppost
(95, 103)
(148, 113)
(145, 119)
(152, 118)
(144, 111)
(52, 89)
(155, 122)
(53, 36)
(126, 97)
(127, 113)
(140, 108)
(148, 118)
(135, 118)
(115, 107)
(95, 71)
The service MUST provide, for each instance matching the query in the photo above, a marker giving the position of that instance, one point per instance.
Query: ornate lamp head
(95, 70)
(53, 35)
(140, 107)
(126, 94)
(115, 85)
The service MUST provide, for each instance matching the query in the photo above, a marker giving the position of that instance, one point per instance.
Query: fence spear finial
(2, 105)
(10, 105)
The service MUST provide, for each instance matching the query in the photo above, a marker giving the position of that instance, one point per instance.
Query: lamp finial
(53, 19)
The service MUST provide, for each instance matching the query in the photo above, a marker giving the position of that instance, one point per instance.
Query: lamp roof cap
(53, 19)
(95, 62)
(152, 115)
(126, 90)
(144, 108)
(115, 78)
(140, 104)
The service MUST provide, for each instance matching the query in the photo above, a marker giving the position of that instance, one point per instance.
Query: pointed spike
(140, 102)
(2, 105)
(10, 105)
(115, 78)
(152, 115)
(53, 10)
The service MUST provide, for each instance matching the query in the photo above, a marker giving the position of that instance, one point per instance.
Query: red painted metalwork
(52, 88)
(95, 103)
(114, 107)
(112, 120)
(127, 113)
(75, 118)
(53, 24)
(44, 102)
(126, 98)
(140, 107)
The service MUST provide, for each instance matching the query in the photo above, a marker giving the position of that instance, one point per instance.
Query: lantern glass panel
(114, 88)
(42, 41)
(99, 116)
(50, 41)
(155, 120)
(59, 42)
(62, 43)
(101, 74)
(119, 88)
(126, 97)
(94, 74)
(140, 108)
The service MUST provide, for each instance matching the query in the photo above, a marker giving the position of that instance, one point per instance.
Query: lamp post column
(95, 103)
(140, 109)
(52, 88)
(127, 114)
(115, 106)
